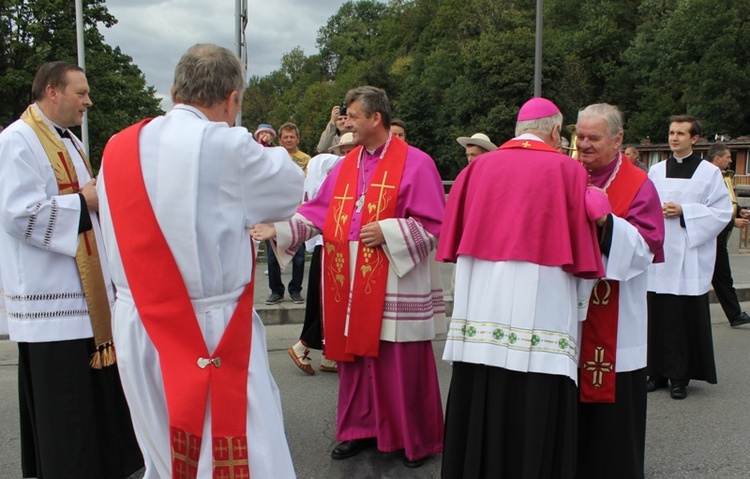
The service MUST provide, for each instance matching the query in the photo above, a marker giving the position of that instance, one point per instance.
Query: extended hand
(372, 235)
(262, 232)
(334, 114)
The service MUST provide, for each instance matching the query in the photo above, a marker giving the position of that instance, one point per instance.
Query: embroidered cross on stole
(599, 335)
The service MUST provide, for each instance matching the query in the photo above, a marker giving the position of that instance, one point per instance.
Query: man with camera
(334, 129)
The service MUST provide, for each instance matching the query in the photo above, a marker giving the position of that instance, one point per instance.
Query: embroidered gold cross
(236, 448)
(183, 461)
(598, 366)
(339, 211)
(381, 195)
(526, 144)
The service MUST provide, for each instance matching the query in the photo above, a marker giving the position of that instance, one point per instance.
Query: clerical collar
(62, 133)
(381, 149)
(190, 109)
(682, 158)
(528, 136)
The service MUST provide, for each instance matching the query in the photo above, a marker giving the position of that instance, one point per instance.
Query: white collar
(190, 109)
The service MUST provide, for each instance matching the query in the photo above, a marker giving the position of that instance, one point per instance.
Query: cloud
(157, 32)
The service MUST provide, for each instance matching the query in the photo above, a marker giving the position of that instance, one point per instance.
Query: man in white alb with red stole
(614, 339)
(178, 194)
(525, 265)
(380, 211)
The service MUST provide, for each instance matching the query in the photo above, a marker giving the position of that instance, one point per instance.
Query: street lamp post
(538, 50)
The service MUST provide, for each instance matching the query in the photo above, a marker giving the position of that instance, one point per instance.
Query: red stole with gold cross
(599, 336)
(361, 336)
(189, 371)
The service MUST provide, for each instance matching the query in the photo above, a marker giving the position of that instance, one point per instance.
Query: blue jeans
(274, 271)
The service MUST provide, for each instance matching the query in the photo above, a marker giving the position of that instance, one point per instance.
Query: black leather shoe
(413, 463)
(657, 382)
(740, 320)
(348, 449)
(678, 391)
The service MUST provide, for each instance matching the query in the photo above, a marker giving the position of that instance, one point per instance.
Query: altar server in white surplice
(192, 352)
(696, 207)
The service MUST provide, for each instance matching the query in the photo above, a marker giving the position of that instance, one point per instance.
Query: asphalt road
(704, 436)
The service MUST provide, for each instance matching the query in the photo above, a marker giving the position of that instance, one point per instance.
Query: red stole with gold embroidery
(599, 336)
(361, 335)
(189, 371)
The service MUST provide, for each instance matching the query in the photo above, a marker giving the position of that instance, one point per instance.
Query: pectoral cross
(360, 202)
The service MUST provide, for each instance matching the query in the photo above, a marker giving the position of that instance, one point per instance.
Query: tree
(689, 57)
(456, 67)
(39, 31)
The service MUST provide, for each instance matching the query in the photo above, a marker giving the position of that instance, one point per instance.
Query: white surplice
(519, 316)
(207, 184)
(628, 263)
(41, 285)
(690, 252)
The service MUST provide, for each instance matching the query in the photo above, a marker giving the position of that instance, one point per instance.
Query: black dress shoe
(678, 391)
(657, 382)
(413, 463)
(348, 449)
(740, 320)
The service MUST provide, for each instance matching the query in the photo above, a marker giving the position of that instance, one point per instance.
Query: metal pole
(538, 50)
(82, 64)
(238, 16)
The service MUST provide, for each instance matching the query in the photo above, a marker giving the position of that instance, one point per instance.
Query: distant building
(652, 153)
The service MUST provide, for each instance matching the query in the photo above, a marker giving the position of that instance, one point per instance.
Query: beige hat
(345, 140)
(479, 139)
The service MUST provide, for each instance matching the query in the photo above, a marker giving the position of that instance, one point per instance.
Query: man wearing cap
(612, 383)
(475, 145)
(523, 282)
(310, 338)
(380, 212)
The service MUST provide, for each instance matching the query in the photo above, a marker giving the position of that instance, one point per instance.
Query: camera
(342, 109)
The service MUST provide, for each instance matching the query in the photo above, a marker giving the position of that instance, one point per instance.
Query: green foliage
(39, 31)
(456, 67)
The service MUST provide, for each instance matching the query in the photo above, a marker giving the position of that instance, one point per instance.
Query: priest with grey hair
(178, 194)
(612, 398)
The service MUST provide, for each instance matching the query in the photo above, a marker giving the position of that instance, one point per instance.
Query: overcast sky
(157, 32)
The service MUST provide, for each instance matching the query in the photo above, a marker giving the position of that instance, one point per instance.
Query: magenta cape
(420, 194)
(522, 204)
